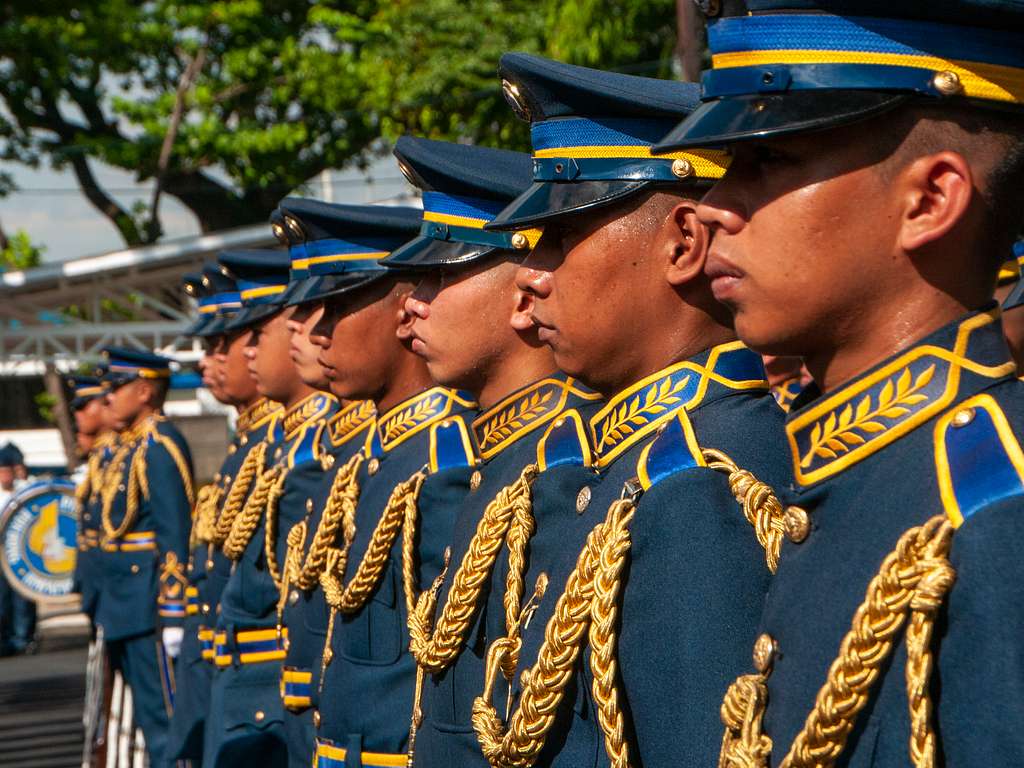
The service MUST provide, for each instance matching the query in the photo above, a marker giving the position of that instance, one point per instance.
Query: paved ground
(41, 699)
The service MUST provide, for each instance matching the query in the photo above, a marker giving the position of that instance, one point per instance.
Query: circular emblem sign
(37, 531)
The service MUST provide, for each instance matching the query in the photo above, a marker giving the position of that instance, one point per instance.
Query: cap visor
(199, 325)
(549, 200)
(250, 315)
(216, 325)
(333, 286)
(424, 253)
(300, 292)
(732, 119)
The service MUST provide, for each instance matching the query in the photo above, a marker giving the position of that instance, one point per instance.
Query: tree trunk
(61, 412)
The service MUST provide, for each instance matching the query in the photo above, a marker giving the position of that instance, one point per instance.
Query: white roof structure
(145, 281)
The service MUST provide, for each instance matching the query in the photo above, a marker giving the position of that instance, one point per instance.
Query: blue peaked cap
(262, 278)
(124, 365)
(464, 188)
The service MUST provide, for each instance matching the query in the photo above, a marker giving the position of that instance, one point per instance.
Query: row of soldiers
(509, 486)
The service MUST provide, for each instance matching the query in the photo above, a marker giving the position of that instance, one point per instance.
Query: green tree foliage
(18, 252)
(253, 98)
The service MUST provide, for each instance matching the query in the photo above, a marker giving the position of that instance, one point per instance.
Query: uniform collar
(314, 406)
(828, 434)
(255, 415)
(522, 412)
(415, 414)
(639, 410)
(349, 421)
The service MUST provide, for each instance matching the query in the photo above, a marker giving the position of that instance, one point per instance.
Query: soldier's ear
(937, 192)
(684, 241)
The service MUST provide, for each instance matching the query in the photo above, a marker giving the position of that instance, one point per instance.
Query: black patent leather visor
(547, 201)
(423, 253)
(733, 119)
(250, 316)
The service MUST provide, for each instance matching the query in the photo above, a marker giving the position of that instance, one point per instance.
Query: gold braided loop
(270, 528)
(519, 534)
(340, 506)
(238, 494)
(544, 683)
(931, 591)
(331, 584)
(760, 505)
(435, 648)
(245, 523)
(110, 487)
(350, 597)
(179, 461)
(200, 515)
(744, 745)
(604, 611)
(136, 484)
(919, 562)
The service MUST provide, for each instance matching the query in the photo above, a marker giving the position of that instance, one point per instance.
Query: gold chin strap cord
(913, 581)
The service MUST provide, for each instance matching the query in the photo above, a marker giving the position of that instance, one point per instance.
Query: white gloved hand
(172, 637)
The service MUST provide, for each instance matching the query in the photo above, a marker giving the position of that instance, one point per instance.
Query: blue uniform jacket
(249, 649)
(87, 565)
(932, 431)
(695, 574)
(505, 437)
(368, 686)
(208, 570)
(144, 565)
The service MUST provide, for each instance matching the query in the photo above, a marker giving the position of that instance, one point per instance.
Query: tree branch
(100, 200)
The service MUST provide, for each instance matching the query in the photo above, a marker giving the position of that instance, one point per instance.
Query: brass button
(135, 569)
(583, 500)
(474, 480)
(293, 597)
(559, 422)
(520, 241)
(206, 608)
(963, 417)
(682, 168)
(209, 565)
(797, 523)
(259, 715)
(286, 644)
(765, 649)
(309, 506)
(232, 449)
(316, 718)
(243, 439)
(328, 461)
(373, 466)
(120, 487)
(216, 478)
(278, 452)
(947, 82)
(88, 516)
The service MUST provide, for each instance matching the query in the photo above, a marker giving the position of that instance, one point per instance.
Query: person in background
(17, 614)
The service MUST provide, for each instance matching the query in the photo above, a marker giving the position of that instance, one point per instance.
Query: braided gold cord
(519, 534)
(238, 493)
(544, 683)
(136, 481)
(744, 745)
(340, 506)
(604, 611)
(179, 461)
(245, 522)
(435, 648)
(201, 514)
(760, 505)
(350, 597)
(270, 528)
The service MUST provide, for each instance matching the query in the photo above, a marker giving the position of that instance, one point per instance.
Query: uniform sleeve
(172, 519)
(980, 675)
(690, 609)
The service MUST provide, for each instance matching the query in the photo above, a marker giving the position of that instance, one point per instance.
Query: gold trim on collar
(311, 407)
(871, 413)
(416, 414)
(522, 412)
(255, 415)
(349, 421)
(640, 409)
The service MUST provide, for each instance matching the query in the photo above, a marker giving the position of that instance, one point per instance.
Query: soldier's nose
(534, 281)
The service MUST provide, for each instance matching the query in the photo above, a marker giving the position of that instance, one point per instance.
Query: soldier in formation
(508, 484)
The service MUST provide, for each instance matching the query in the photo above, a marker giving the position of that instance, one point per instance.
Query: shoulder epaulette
(978, 459)
(305, 445)
(450, 445)
(673, 450)
(565, 442)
